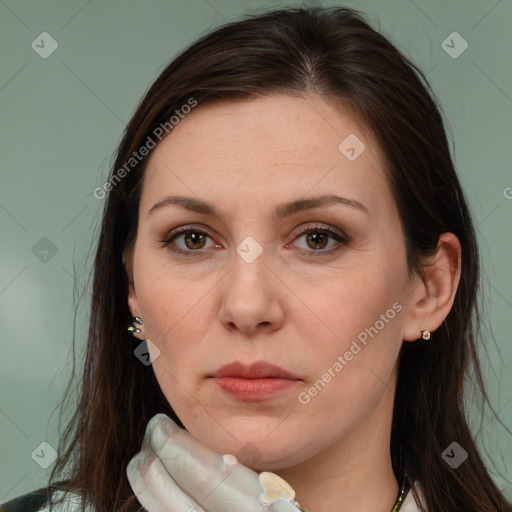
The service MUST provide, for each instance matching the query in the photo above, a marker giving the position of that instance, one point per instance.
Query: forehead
(253, 149)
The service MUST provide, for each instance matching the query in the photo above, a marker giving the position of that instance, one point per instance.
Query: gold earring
(425, 335)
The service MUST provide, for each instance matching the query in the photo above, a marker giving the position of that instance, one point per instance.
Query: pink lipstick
(255, 382)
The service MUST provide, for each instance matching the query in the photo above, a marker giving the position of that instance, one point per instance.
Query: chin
(258, 441)
(272, 465)
(254, 449)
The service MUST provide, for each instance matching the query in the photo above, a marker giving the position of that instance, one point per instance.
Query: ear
(433, 295)
(133, 303)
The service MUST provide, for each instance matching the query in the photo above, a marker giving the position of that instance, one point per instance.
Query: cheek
(353, 369)
(351, 303)
(177, 319)
(170, 298)
(362, 316)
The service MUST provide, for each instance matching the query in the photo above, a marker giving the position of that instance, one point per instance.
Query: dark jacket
(38, 500)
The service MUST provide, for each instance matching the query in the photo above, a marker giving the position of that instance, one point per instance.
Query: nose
(253, 298)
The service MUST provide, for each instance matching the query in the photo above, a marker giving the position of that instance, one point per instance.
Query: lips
(257, 382)
(257, 370)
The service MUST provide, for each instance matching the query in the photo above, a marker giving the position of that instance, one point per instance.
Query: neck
(353, 474)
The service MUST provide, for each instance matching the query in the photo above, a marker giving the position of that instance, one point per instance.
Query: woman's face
(247, 283)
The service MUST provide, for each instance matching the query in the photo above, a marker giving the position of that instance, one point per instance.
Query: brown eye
(194, 240)
(320, 240)
(317, 240)
(188, 241)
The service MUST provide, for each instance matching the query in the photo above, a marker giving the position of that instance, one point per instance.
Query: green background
(63, 116)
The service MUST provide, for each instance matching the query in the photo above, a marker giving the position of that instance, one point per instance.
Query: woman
(286, 236)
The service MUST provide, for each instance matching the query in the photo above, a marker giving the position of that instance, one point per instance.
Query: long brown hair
(334, 53)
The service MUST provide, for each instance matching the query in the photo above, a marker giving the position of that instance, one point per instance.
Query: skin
(292, 306)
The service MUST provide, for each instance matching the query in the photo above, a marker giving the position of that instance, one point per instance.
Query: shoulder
(38, 501)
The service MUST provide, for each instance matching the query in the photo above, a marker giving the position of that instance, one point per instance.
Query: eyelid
(199, 228)
(321, 227)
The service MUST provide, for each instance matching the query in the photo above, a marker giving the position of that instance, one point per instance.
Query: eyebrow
(282, 211)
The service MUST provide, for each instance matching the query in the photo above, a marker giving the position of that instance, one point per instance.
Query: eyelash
(342, 240)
